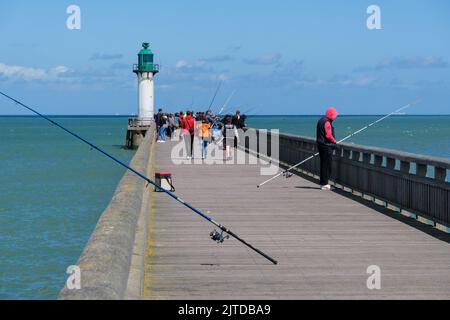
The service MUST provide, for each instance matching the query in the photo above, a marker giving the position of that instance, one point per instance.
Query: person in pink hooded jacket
(326, 141)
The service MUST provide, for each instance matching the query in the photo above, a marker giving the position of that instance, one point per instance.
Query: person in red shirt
(326, 141)
(188, 126)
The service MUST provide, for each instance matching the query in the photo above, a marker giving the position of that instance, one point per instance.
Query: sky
(285, 57)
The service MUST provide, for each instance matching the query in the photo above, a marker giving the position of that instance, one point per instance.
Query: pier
(389, 209)
(136, 131)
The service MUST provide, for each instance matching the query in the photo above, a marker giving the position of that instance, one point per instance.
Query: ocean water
(428, 135)
(53, 189)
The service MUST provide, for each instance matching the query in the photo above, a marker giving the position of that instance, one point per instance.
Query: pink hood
(331, 113)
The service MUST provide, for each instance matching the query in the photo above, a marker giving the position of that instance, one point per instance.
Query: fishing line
(215, 235)
(215, 94)
(287, 173)
(224, 107)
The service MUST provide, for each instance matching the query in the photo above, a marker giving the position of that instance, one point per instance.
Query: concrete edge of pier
(110, 262)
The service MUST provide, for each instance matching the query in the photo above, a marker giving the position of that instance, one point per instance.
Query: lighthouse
(145, 71)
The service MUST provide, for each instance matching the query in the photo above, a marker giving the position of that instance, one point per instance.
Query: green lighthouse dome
(145, 60)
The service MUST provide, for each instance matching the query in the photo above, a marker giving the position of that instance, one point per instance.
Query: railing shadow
(428, 229)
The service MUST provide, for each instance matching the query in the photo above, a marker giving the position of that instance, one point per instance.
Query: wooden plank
(324, 241)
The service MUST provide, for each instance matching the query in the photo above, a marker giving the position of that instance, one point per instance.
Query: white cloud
(31, 74)
(218, 58)
(20, 72)
(106, 56)
(59, 69)
(181, 64)
(266, 59)
(428, 62)
(223, 77)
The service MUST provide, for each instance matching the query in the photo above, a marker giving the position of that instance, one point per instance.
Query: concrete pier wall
(105, 263)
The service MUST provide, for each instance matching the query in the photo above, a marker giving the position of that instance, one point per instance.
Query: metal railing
(154, 68)
(414, 183)
(139, 122)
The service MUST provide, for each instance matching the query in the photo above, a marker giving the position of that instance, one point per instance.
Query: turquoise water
(52, 191)
(53, 188)
(417, 134)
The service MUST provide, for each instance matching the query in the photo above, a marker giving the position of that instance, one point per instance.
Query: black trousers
(326, 157)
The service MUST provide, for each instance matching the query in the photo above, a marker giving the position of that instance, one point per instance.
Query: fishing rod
(224, 107)
(248, 110)
(215, 94)
(215, 235)
(286, 172)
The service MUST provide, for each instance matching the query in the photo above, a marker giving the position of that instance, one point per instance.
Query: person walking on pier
(188, 125)
(239, 123)
(172, 125)
(204, 135)
(157, 116)
(163, 125)
(326, 142)
(230, 133)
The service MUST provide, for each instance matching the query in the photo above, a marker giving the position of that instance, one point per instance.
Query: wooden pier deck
(324, 241)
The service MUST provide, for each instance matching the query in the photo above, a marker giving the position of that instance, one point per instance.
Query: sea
(429, 135)
(53, 188)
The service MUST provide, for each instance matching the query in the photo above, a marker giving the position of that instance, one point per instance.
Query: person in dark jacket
(326, 142)
(157, 117)
(239, 122)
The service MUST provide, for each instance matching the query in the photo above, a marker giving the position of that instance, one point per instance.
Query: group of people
(214, 128)
(207, 126)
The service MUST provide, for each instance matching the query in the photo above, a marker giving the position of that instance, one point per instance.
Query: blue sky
(288, 57)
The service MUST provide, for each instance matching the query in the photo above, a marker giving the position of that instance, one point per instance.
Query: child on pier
(204, 135)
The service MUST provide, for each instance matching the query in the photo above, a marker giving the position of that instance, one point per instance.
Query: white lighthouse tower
(145, 70)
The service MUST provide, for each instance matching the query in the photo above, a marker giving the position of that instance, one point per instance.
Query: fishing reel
(287, 174)
(218, 237)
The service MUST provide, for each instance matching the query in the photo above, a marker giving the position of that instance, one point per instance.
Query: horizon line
(257, 115)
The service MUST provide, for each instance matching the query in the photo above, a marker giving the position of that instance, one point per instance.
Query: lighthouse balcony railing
(149, 67)
(139, 122)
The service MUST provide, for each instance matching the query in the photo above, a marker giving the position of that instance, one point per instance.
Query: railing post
(346, 154)
(440, 173)
(378, 160)
(405, 166)
(390, 163)
(356, 155)
(366, 158)
(421, 169)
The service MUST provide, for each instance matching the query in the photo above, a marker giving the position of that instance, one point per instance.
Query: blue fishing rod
(219, 237)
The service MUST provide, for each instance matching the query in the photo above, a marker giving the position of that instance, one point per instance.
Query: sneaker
(326, 187)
